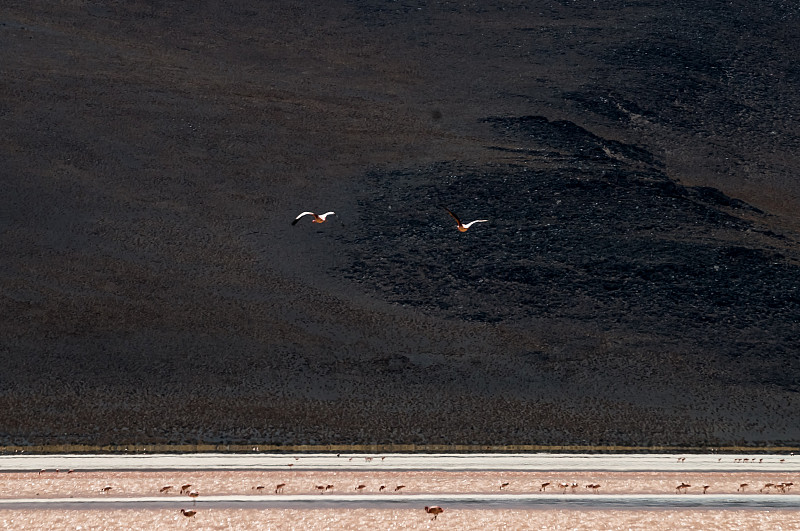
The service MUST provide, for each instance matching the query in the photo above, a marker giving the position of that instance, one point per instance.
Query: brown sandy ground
(145, 484)
(358, 519)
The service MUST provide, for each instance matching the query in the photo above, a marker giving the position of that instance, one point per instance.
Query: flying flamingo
(279, 487)
(186, 487)
(165, 488)
(318, 218)
(435, 511)
(462, 227)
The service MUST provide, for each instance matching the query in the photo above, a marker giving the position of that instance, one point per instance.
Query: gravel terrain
(637, 281)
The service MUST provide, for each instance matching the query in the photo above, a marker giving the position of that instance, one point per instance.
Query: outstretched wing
(300, 216)
(326, 214)
(468, 225)
(454, 216)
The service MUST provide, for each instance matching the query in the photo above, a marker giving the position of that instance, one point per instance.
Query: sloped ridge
(567, 136)
(716, 197)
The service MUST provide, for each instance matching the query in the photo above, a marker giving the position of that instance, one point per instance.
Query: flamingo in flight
(464, 227)
(318, 218)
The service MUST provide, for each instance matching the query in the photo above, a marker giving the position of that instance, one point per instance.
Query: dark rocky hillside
(637, 281)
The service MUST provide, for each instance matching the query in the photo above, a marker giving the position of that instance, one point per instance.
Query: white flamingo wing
(468, 225)
(326, 214)
(300, 216)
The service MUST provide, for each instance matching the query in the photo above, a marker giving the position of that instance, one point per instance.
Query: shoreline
(255, 448)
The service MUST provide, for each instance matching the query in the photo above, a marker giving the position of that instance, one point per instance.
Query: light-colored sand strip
(500, 462)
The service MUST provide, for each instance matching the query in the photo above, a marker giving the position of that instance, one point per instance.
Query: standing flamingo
(593, 486)
(434, 510)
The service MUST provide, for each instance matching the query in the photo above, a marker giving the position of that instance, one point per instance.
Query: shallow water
(452, 501)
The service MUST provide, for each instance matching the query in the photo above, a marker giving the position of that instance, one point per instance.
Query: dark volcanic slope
(589, 239)
(638, 280)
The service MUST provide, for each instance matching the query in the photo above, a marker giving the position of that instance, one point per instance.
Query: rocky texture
(638, 281)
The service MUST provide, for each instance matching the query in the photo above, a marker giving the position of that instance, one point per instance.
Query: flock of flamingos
(435, 510)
